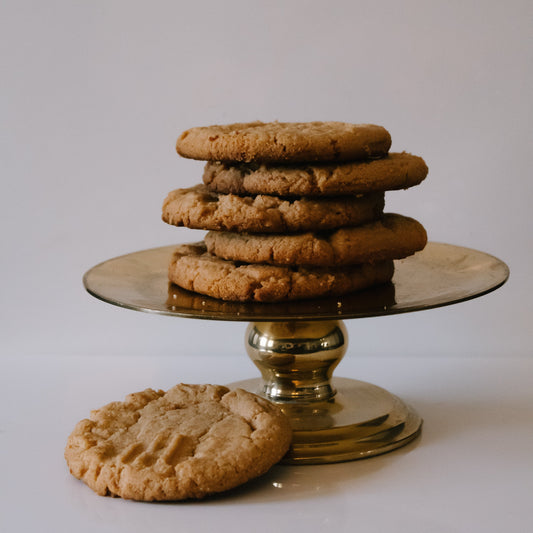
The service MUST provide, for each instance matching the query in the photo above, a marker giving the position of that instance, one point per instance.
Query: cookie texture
(199, 208)
(194, 269)
(392, 237)
(375, 298)
(284, 142)
(188, 442)
(395, 171)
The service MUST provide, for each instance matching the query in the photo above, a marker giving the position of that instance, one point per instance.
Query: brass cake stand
(297, 345)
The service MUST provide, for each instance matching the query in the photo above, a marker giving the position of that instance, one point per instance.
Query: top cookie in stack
(294, 210)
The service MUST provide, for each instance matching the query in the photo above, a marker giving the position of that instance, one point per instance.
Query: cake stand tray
(297, 345)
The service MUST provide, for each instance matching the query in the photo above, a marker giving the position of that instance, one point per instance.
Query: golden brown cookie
(199, 208)
(194, 269)
(395, 171)
(188, 442)
(288, 142)
(392, 237)
(375, 299)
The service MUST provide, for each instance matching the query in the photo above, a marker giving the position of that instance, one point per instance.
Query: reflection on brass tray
(376, 300)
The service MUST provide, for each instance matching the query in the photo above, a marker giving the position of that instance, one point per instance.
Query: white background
(94, 95)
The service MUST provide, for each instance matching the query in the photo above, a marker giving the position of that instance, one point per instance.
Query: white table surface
(472, 469)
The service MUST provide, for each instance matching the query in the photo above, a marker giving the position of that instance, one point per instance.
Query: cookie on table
(288, 142)
(395, 171)
(194, 269)
(197, 207)
(391, 237)
(188, 442)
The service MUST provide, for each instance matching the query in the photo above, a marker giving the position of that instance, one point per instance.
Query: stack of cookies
(292, 210)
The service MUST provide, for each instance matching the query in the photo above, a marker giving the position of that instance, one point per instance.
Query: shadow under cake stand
(297, 345)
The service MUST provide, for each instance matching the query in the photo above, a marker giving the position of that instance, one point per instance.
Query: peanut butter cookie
(395, 171)
(194, 269)
(199, 208)
(392, 237)
(188, 442)
(289, 142)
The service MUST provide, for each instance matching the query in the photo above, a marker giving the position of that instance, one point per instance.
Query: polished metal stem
(297, 359)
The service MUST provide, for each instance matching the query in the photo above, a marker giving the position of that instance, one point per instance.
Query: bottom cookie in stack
(194, 268)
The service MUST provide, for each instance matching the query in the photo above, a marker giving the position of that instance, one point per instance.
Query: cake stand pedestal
(297, 345)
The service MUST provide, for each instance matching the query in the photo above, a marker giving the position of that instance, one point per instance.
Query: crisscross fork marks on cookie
(189, 442)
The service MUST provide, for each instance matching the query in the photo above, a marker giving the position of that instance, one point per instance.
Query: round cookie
(392, 237)
(395, 171)
(188, 442)
(194, 269)
(288, 142)
(199, 208)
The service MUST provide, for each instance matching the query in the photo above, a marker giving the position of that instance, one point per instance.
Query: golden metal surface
(441, 274)
(297, 345)
(332, 420)
(361, 421)
(297, 358)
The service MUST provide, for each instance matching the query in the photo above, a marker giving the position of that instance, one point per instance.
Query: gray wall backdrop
(95, 93)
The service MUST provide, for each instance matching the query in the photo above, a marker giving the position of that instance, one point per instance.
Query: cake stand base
(362, 420)
(335, 419)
